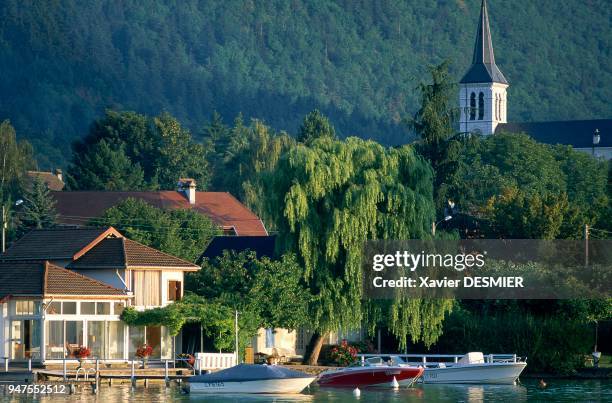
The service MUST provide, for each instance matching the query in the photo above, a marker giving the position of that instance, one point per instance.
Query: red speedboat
(372, 372)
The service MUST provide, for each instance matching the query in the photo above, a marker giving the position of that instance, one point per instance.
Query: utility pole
(236, 328)
(586, 244)
(4, 226)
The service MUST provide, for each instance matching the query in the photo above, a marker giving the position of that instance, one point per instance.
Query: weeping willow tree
(329, 197)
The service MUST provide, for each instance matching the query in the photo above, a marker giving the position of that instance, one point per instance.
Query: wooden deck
(72, 375)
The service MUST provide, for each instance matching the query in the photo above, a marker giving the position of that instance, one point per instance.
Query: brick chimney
(187, 187)
(59, 174)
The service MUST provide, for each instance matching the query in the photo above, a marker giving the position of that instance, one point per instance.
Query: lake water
(557, 391)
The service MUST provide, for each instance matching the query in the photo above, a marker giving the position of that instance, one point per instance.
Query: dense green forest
(63, 62)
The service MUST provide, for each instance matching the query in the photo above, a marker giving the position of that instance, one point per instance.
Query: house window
(137, 339)
(96, 340)
(59, 308)
(146, 287)
(155, 336)
(54, 308)
(115, 343)
(69, 308)
(102, 308)
(118, 308)
(473, 106)
(269, 338)
(300, 342)
(174, 290)
(74, 337)
(55, 340)
(88, 308)
(481, 106)
(27, 307)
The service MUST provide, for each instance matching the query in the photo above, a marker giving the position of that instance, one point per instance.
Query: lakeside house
(66, 287)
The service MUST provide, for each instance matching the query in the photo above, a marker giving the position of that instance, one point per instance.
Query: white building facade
(483, 95)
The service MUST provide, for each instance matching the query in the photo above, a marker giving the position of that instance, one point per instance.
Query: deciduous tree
(330, 197)
(182, 233)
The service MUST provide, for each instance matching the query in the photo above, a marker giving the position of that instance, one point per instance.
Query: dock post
(133, 374)
(29, 365)
(166, 377)
(65, 376)
(97, 373)
(6, 360)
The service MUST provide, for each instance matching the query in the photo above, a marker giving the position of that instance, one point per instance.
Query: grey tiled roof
(124, 253)
(52, 244)
(577, 133)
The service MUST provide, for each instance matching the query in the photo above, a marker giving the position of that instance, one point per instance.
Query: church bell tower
(482, 96)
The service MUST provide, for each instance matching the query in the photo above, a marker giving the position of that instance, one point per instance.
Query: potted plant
(144, 352)
(82, 353)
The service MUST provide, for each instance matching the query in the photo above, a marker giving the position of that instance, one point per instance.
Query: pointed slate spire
(483, 69)
(483, 49)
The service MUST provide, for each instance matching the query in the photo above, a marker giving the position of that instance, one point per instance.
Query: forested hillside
(63, 62)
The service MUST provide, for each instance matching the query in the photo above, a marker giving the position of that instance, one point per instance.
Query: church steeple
(483, 69)
(482, 96)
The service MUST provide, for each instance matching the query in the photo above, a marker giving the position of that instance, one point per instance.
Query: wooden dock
(109, 374)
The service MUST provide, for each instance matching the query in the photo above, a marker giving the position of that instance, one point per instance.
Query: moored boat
(470, 368)
(474, 369)
(248, 378)
(370, 373)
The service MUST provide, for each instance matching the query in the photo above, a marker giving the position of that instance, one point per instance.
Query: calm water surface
(557, 391)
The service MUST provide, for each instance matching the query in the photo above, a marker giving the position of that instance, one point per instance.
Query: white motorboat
(471, 368)
(248, 378)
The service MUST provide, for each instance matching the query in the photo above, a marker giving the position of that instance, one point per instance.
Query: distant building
(54, 180)
(262, 246)
(233, 217)
(483, 105)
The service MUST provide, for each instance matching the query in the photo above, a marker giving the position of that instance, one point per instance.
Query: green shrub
(551, 343)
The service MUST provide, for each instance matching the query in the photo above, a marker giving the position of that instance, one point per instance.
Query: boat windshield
(397, 360)
(374, 361)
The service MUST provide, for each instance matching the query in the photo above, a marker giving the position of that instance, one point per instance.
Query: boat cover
(249, 372)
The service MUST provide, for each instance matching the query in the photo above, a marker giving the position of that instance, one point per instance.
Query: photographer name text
(466, 282)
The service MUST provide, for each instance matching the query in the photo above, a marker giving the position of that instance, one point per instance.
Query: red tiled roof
(118, 253)
(59, 281)
(40, 278)
(52, 181)
(78, 208)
